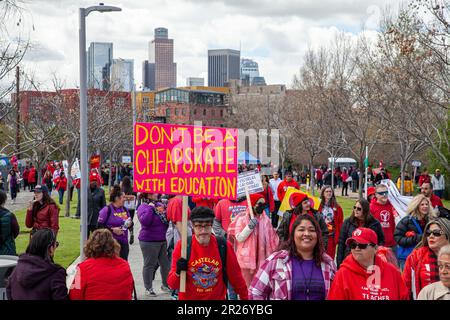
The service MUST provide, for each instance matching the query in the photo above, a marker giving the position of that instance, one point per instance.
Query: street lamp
(83, 13)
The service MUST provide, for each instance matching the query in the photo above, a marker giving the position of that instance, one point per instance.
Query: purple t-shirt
(152, 228)
(307, 280)
(117, 218)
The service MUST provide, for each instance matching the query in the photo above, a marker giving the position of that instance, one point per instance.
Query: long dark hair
(333, 203)
(365, 211)
(40, 243)
(127, 188)
(290, 246)
(116, 192)
(46, 200)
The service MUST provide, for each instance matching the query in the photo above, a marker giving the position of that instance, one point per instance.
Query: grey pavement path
(22, 200)
(136, 262)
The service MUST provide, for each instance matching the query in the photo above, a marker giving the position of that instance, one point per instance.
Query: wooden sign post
(249, 203)
(184, 220)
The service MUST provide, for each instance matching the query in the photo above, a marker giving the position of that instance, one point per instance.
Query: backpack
(404, 252)
(7, 244)
(222, 244)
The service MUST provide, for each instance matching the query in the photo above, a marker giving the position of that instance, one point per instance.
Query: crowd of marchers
(239, 252)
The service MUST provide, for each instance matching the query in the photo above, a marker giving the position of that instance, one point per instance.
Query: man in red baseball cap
(364, 275)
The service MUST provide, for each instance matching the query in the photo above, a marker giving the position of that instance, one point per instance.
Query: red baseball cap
(370, 191)
(363, 236)
(93, 177)
(255, 197)
(297, 198)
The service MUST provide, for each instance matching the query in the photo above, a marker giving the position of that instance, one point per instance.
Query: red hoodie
(282, 187)
(385, 214)
(204, 280)
(353, 282)
(102, 279)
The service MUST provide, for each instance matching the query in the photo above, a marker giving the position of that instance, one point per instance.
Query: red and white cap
(363, 236)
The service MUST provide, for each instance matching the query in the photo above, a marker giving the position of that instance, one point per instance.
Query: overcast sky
(274, 33)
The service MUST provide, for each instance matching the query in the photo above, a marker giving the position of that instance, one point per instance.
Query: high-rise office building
(195, 82)
(122, 75)
(223, 65)
(160, 71)
(99, 58)
(250, 73)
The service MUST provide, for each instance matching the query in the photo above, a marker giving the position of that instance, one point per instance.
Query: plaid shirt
(273, 281)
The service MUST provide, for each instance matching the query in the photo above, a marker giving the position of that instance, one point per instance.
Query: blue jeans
(439, 193)
(232, 295)
(61, 195)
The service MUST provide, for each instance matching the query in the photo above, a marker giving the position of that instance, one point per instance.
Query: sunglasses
(357, 208)
(383, 193)
(362, 246)
(436, 233)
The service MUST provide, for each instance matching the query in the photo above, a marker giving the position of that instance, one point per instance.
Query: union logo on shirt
(122, 215)
(204, 276)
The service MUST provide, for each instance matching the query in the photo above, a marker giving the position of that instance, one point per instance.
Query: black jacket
(283, 228)
(96, 202)
(36, 279)
(347, 229)
(403, 226)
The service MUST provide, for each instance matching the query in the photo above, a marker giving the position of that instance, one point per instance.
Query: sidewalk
(22, 200)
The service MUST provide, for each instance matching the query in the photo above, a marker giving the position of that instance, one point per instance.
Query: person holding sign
(256, 239)
(210, 263)
(301, 204)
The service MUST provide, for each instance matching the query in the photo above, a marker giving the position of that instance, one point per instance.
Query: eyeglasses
(362, 246)
(357, 208)
(436, 233)
(443, 266)
(383, 193)
(202, 226)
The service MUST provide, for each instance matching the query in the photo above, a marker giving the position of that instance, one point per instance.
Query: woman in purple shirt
(152, 240)
(116, 218)
(299, 271)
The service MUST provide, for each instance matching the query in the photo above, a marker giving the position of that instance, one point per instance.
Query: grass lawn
(68, 235)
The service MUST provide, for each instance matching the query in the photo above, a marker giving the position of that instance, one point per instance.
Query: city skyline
(276, 36)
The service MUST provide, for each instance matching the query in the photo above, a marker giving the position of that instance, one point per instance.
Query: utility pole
(17, 113)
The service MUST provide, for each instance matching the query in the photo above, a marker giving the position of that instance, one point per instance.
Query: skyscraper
(223, 65)
(160, 65)
(250, 73)
(122, 75)
(99, 58)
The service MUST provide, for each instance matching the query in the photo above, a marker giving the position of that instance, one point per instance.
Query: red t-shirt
(226, 210)
(436, 201)
(385, 214)
(282, 187)
(204, 280)
(175, 210)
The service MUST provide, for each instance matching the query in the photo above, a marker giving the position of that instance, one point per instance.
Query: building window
(145, 100)
(195, 111)
(204, 112)
(183, 112)
(221, 113)
(176, 112)
(213, 113)
(168, 112)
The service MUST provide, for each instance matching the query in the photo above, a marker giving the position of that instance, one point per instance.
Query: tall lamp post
(83, 13)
